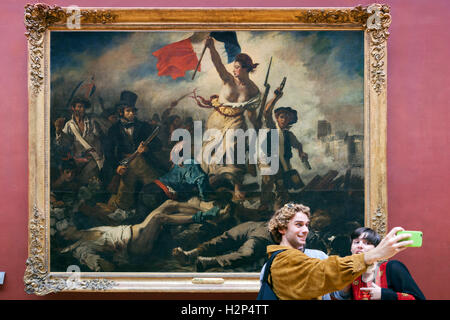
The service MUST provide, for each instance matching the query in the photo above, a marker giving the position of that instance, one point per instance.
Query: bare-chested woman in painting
(237, 95)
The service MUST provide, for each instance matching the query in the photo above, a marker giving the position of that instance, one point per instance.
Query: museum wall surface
(417, 151)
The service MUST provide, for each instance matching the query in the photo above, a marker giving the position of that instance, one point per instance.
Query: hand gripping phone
(416, 237)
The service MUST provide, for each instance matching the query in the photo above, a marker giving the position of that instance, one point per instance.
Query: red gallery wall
(418, 137)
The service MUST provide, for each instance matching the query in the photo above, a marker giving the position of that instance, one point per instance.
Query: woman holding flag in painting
(237, 95)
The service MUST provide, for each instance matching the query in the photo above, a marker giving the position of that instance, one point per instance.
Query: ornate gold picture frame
(43, 21)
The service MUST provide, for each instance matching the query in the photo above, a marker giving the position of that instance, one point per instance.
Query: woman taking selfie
(389, 280)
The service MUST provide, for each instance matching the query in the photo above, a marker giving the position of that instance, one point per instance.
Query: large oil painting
(169, 150)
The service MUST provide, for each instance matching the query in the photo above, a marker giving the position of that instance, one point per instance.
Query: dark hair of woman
(246, 62)
(370, 235)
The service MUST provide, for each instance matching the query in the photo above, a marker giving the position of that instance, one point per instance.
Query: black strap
(269, 264)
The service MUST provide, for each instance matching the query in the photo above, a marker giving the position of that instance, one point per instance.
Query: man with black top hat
(83, 136)
(124, 138)
(285, 117)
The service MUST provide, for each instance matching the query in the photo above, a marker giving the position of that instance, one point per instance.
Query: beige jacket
(295, 276)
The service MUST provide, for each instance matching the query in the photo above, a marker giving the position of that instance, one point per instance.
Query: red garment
(166, 190)
(380, 281)
(176, 58)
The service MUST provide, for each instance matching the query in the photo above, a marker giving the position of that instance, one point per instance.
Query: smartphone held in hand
(416, 237)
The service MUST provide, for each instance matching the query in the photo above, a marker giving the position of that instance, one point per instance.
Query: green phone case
(416, 237)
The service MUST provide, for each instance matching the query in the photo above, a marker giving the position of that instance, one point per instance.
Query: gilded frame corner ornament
(37, 277)
(37, 19)
(40, 19)
(376, 20)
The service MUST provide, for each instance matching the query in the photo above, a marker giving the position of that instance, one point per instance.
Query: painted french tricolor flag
(176, 58)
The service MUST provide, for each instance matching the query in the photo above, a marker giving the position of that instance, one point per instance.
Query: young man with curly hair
(295, 276)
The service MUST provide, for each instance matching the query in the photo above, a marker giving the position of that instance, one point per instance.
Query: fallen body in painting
(122, 240)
